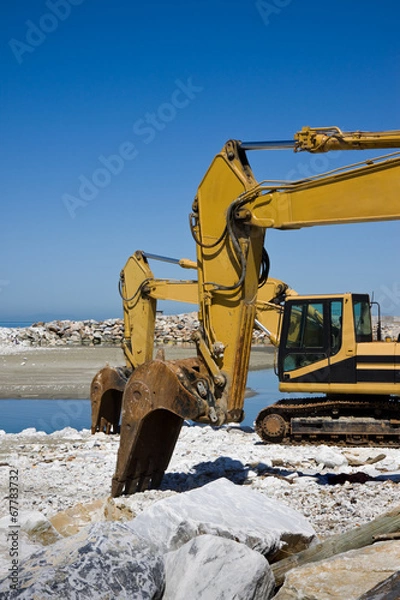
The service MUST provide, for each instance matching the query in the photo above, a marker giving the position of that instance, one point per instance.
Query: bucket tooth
(106, 392)
(157, 398)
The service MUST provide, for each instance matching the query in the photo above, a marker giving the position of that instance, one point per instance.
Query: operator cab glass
(311, 332)
(362, 319)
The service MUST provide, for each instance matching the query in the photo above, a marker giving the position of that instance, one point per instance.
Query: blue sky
(85, 80)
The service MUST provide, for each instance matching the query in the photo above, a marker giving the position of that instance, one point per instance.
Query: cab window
(336, 309)
(305, 335)
(362, 320)
(314, 332)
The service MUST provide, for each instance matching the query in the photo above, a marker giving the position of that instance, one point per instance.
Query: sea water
(53, 415)
(44, 415)
(15, 323)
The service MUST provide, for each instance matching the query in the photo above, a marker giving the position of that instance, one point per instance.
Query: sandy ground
(67, 372)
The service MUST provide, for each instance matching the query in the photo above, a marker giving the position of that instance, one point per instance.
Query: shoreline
(65, 373)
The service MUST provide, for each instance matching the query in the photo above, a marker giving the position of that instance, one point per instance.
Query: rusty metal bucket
(106, 392)
(158, 397)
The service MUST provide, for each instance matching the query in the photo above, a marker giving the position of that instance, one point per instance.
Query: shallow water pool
(53, 415)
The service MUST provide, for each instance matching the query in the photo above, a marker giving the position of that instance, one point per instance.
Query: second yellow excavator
(325, 343)
(140, 291)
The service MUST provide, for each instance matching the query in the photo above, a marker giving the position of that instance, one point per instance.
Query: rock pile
(65, 333)
(221, 540)
(390, 327)
(170, 329)
(205, 533)
(228, 513)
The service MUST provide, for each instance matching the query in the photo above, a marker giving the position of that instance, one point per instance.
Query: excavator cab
(325, 341)
(312, 334)
(327, 346)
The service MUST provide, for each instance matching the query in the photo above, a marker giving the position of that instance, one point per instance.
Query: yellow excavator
(325, 343)
(140, 291)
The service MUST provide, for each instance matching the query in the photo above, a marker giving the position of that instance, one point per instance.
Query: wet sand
(67, 372)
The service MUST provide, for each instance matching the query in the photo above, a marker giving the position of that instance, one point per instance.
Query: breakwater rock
(169, 329)
(65, 333)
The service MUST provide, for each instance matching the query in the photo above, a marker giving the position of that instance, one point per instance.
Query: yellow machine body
(230, 216)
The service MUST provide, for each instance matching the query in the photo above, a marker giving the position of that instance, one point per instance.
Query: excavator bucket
(158, 397)
(106, 392)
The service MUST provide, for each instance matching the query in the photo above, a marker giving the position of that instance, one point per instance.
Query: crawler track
(335, 421)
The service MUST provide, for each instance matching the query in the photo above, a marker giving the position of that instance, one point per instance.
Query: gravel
(336, 488)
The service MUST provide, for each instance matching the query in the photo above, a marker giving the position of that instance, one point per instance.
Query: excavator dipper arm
(139, 291)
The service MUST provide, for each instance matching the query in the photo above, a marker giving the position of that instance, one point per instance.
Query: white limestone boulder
(227, 510)
(210, 567)
(329, 458)
(103, 562)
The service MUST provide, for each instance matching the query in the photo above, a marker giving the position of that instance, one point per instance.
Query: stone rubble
(204, 533)
(224, 493)
(65, 333)
(169, 329)
(216, 541)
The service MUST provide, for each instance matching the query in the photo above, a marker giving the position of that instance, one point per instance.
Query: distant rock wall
(170, 329)
(65, 333)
